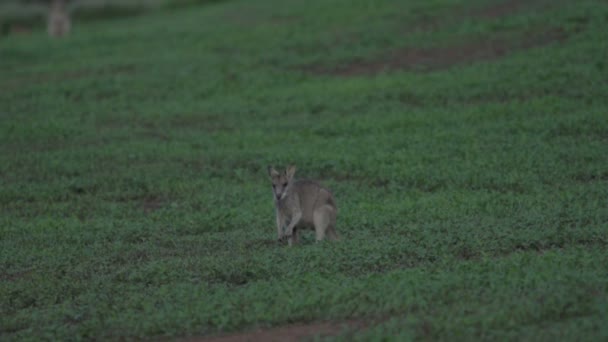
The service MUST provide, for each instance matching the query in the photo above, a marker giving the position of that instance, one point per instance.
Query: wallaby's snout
(279, 187)
(278, 192)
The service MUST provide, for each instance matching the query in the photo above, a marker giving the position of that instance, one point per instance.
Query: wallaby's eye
(273, 186)
(284, 184)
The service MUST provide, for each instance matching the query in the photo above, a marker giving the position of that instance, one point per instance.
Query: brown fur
(59, 23)
(302, 204)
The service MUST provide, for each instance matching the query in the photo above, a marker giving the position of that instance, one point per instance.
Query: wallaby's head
(281, 180)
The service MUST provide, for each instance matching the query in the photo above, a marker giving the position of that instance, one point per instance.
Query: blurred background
(23, 16)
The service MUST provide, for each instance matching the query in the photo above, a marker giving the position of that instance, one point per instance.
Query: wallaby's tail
(330, 201)
(331, 231)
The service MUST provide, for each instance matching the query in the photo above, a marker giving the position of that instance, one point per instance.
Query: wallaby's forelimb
(297, 215)
(280, 225)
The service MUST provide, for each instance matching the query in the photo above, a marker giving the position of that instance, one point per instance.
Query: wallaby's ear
(272, 172)
(291, 170)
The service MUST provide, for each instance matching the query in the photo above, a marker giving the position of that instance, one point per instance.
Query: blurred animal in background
(59, 23)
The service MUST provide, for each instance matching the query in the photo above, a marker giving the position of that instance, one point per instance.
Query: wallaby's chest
(287, 206)
(290, 205)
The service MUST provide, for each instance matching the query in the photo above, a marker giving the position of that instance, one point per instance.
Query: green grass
(472, 192)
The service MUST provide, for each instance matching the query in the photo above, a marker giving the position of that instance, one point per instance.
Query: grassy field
(466, 143)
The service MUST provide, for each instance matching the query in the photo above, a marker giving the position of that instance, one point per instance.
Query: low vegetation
(465, 143)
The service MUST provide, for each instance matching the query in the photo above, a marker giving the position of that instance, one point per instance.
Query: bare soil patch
(252, 16)
(585, 177)
(10, 277)
(205, 122)
(148, 203)
(493, 11)
(489, 12)
(151, 204)
(262, 243)
(504, 8)
(293, 332)
(69, 75)
(429, 59)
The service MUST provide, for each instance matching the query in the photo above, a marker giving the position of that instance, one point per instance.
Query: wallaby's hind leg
(331, 233)
(294, 238)
(323, 218)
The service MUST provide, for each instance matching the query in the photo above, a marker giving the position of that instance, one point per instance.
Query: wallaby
(58, 19)
(302, 204)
